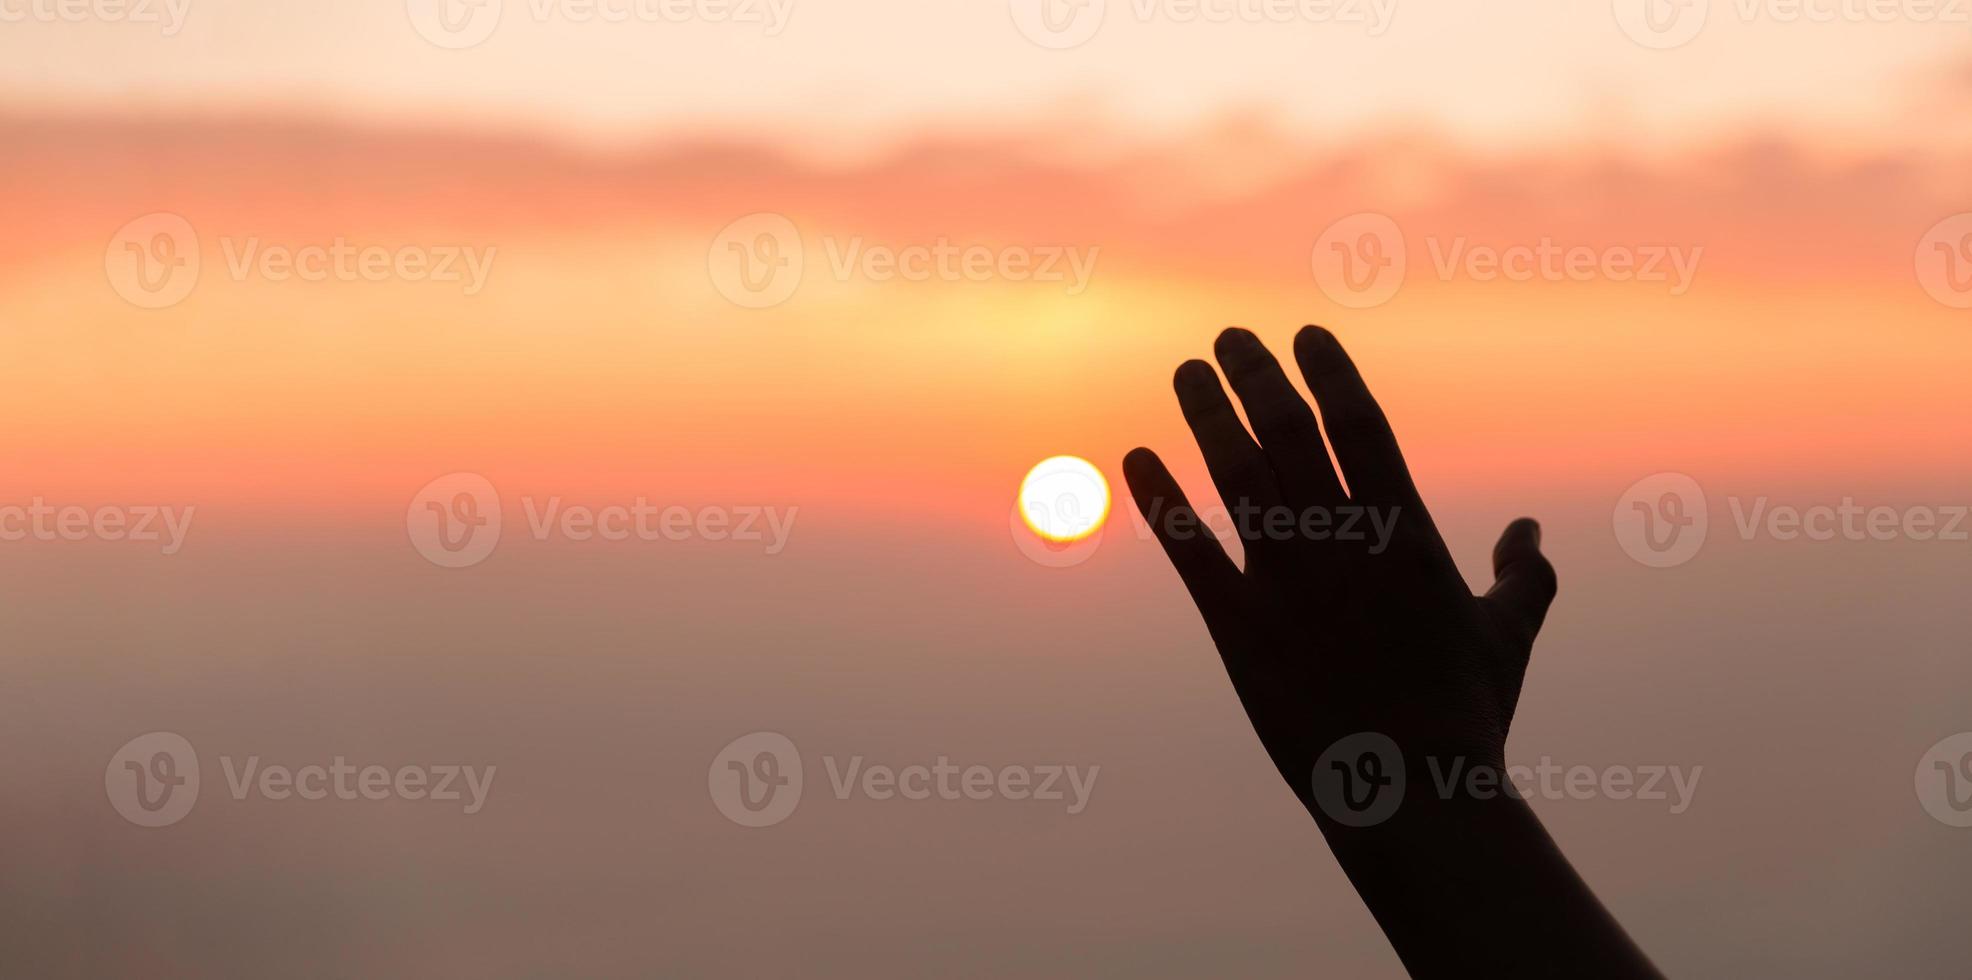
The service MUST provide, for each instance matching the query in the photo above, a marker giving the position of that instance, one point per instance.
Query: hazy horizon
(563, 312)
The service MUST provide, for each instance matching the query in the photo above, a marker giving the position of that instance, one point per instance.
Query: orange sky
(594, 165)
(599, 354)
(1814, 174)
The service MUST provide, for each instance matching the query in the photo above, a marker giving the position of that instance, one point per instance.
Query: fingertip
(1234, 339)
(1526, 528)
(1312, 337)
(1151, 484)
(1318, 351)
(1194, 374)
(1519, 549)
(1521, 539)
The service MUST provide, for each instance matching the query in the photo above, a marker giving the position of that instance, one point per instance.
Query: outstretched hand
(1350, 615)
(1350, 633)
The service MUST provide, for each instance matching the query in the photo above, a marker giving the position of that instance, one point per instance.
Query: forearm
(1467, 887)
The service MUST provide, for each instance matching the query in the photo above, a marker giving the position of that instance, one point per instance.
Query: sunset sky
(1811, 174)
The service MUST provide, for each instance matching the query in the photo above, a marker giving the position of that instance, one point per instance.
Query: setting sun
(1064, 498)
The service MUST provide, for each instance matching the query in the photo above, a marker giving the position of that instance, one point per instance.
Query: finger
(1372, 465)
(1239, 469)
(1202, 563)
(1524, 581)
(1289, 435)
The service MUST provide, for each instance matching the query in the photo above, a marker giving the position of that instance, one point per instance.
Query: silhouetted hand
(1350, 618)
(1350, 615)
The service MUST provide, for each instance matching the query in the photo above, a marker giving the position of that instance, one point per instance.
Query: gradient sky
(1808, 360)
(834, 78)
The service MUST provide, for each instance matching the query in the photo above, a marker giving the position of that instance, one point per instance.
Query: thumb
(1523, 580)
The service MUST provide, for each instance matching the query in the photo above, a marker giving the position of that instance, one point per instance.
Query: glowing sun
(1064, 498)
